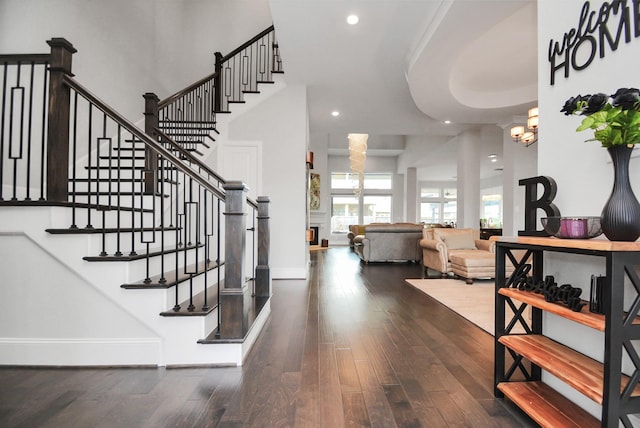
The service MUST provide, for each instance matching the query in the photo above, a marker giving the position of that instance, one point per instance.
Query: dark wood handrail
(184, 91)
(148, 141)
(225, 58)
(192, 159)
(25, 58)
(247, 44)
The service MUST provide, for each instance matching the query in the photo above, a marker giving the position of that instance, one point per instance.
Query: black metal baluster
(252, 229)
(12, 155)
(176, 306)
(99, 143)
(118, 251)
(29, 128)
(132, 175)
(206, 258)
(4, 102)
(218, 245)
(144, 172)
(74, 149)
(90, 137)
(161, 169)
(43, 149)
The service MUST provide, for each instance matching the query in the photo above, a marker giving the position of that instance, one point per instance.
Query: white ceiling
(408, 65)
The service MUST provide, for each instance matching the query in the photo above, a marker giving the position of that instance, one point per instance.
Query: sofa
(459, 252)
(389, 242)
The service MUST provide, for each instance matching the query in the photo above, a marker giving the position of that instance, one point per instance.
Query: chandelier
(530, 136)
(357, 156)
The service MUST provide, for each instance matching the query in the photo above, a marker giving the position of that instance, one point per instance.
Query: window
(344, 211)
(377, 181)
(429, 193)
(491, 208)
(344, 181)
(377, 209)
(430, 212)
(373, 205)
(438, 204)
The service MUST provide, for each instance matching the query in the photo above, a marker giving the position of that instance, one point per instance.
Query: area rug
(474, 302)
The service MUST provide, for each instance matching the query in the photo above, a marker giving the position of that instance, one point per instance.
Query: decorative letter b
(532, 203)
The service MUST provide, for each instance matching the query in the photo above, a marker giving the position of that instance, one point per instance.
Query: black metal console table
(520, 358)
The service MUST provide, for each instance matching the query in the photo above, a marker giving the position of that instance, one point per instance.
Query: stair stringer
(162, 340)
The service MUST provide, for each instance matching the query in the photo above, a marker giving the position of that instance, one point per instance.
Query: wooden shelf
(546, 406)
(595, 244)
(583, 317)
(582, 373)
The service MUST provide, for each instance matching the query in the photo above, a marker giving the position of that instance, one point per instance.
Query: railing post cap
(264, 199)
(61, 42)
(235, 185)
(150, 96)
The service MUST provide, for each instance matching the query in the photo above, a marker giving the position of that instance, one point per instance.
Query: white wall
(63, 301)
(281, 124)
(129, 47)
(519, 162)
(582, 170)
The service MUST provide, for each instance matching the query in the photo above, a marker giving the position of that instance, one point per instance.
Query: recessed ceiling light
(446, 122)
(352, 19)
(335, 113)
(492, 156)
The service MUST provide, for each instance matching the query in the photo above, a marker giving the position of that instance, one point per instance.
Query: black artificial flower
(627, 98)
(595, 103)
(570, 106)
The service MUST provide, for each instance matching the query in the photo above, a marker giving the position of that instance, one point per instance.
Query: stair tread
(69, 204)
(197, 305)
(129, 258)
(116, 180)
(172, 278)
(114, 194)
(85, 231)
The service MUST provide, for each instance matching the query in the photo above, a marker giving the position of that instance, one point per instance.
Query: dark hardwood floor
(352, 346)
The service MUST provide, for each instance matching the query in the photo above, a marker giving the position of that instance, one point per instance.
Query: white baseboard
(288, 273)
(79, 352)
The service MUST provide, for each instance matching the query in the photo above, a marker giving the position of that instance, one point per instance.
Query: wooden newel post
(263, 275)
(217, 99)
(150, 157)
(58, 120)
(235, 295)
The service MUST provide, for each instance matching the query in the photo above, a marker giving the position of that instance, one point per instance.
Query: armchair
(460, 252)
(354, 230)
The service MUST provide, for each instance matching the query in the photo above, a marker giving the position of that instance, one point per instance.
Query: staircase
(122, 246)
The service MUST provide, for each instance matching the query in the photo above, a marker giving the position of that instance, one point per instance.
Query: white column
(411, 195)
(468, 204)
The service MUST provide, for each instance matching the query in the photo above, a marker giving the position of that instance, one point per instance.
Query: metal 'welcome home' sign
(598, 32)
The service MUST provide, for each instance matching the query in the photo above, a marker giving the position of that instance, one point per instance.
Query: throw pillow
(459, 241)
